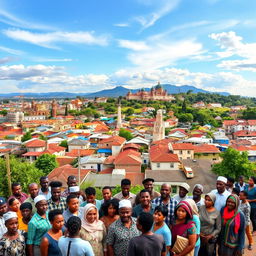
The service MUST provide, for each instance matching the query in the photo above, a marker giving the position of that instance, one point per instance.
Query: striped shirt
(170, 206)
(37, 227)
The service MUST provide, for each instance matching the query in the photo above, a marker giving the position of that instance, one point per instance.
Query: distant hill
(171, 89)
(114, 92)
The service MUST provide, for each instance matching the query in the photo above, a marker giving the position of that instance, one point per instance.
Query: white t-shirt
(78, 247)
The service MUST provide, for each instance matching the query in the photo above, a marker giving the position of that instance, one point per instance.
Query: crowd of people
(50, 222)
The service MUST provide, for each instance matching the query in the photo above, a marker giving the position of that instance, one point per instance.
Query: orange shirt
(22, 225)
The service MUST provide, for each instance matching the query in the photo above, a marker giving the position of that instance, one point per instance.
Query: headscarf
(97, 225)
(186, 206)
(212, 196)
(200, 187)
(230, 216)
(193, 205)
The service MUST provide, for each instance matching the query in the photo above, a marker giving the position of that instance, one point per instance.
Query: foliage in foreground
(234, 164)
(21, 171)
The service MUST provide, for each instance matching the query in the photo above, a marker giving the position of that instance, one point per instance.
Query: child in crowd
(246, 209)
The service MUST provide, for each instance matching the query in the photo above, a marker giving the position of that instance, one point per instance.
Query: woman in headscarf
(93, 230)
(210, 225)
(232, 235)
(184, 226)
(196, 220)
(13, 241)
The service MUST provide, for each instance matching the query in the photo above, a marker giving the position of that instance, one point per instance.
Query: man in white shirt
(3, 210)
(221, 193)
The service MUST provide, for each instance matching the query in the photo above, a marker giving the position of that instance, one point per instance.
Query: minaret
(54, 108)
(119, 116)
(159, 131)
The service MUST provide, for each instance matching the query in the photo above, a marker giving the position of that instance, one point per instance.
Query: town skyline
(91, 46)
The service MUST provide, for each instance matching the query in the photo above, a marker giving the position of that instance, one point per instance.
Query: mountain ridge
(113, 92)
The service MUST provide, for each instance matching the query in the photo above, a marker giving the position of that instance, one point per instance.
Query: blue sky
(89, 45)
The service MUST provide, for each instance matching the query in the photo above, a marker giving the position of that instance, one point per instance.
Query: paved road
(203, 174)
(253, 252)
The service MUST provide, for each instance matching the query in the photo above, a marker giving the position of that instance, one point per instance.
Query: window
(180, 151)
(188, 151)
(145, 161)
(171, 165)
(180, 158)
(188, 157)
(158, 165)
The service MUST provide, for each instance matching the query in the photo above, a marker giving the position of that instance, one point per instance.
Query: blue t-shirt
(198, 227)
(78, 247)
(251, 196)
(166, 233)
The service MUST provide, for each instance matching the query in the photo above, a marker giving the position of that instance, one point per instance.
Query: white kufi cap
(10, 215)
(223, 179)
(39, 198)
(185, 185)
(125, 204)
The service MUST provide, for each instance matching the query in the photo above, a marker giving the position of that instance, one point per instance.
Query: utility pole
(8, 169)
(79, 169)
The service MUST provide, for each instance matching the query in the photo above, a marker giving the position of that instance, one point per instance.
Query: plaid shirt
(170, 206)
(62, 205)
(37, 227)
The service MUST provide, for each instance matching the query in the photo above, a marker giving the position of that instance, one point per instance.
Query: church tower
(159, 131)
(119, 116)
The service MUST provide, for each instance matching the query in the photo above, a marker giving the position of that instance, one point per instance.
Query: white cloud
(221, 81)
(10, 19)
(6, 60)
(41, 78)
(238, 65)
(122, 25)
(233, 45)
(133, 45)
(162, 54)
(49, 40)
(164, 7)
(11, 51)
(39, 59)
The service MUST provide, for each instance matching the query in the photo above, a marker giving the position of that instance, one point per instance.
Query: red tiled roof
(131, 145)
(128, 157)
(245, 133)
(135, 178)
(182, 146)
(33, 154)
(35, 143)
(205, 148)
(240, 147)
(62, 173)
(81, 152)
(63, 160)
(110, 160)
(114, 140)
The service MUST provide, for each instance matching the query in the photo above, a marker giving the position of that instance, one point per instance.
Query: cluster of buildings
(95, 153)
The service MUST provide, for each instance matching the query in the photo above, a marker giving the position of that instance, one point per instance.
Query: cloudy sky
(89, 45)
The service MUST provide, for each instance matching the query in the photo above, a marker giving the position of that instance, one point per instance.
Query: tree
(46, 163)
(42, 137)
(185, 117)
(234, 164)
(125, 134)
(64, 144)
(3, 112)
(21, 171)
(184, 106)
(129, 111)
(26, 136)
